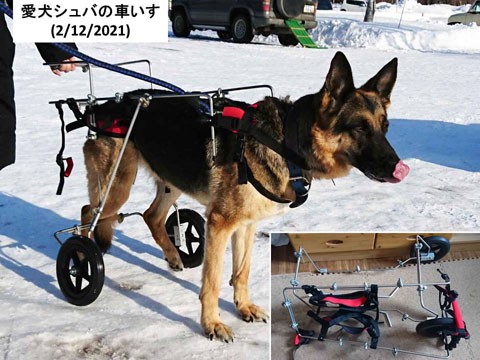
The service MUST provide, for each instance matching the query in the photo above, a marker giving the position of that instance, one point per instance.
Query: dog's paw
(219, 331)
(175, 265)
(252, 312)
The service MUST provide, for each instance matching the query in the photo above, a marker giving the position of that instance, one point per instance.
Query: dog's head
(351, 124)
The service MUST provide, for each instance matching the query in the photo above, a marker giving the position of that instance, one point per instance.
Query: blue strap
(118, 69)
(5, 9)
(90, 60)
(298, 184)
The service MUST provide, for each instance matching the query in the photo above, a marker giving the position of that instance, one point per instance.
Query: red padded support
(458, 316)
(233, 112)
(347, 302)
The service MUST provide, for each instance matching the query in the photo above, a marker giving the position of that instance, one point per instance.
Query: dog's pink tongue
(400, 173)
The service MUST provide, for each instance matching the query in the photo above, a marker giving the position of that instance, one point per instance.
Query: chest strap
(242, 122)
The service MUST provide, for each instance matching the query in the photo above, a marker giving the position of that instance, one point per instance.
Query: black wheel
(224, 35)
(290, 8)
(287, 39)
(192, 253)
(180, 25)
(80, 270)
(438, 244)
(436, 327)
(241, 29)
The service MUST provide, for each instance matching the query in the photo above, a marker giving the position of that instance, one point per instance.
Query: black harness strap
(261, 189)
(345, 312)
(298, 182)
(242, 122)
(245, 125)
(59, 159)
(369, 324)
(81, 122)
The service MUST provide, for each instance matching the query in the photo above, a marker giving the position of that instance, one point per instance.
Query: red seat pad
(347, 302)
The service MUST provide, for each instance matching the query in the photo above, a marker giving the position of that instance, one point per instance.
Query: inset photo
(375, 295)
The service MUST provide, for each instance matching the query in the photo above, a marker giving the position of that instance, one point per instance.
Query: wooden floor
(284, 261)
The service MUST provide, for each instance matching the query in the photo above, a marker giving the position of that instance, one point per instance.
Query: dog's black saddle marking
(113, 119)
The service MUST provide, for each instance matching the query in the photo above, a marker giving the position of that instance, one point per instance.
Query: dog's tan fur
(232, 210)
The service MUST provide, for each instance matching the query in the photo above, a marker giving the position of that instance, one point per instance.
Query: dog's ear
(338, 84)
(339, 81)
(383, 82)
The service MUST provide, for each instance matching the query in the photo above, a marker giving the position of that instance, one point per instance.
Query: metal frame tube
(420, 285)
(98, 211)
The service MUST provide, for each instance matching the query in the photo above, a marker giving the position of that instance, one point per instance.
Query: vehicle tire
(180, 25)
(192, 253)
(290, 8)
(287, 39)
(224, 35)
(80, 261)
(241, 29)
(438, 327)
(438, 244)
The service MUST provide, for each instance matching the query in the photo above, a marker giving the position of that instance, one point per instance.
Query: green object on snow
(301, 34)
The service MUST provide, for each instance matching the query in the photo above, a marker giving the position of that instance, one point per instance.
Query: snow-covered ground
(147, 312)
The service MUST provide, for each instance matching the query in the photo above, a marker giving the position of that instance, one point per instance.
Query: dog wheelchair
(346, 309)
(80, 267)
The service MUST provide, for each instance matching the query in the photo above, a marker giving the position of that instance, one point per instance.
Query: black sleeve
(51, 53)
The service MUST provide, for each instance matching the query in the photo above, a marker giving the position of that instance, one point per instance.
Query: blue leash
(118, 69)
(6, 10)
(88, 59)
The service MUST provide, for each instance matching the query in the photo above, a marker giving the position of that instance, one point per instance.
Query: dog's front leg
(219, 230)
(242, 244)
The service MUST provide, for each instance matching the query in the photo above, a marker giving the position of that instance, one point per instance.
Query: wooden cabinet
(346, 246)
(333, 242)
(401, 240)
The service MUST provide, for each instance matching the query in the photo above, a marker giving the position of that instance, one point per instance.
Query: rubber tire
(224, 35)
(434, 328)
(180, 25)
(93, 257)
(193, 258)
(289, 9)
(241, 29)
(439, 245)
(287, 40)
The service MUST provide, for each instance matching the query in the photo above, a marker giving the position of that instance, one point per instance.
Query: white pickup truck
(472, 16)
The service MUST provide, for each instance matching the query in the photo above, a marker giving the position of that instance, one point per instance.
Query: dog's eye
(361, 128)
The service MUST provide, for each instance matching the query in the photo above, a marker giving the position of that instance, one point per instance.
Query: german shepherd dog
(339, 127)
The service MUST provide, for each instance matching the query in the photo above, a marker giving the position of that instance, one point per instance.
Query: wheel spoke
(78, 283)
(76, 259)
(189, 247)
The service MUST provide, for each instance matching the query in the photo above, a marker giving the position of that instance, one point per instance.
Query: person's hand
(57, 70)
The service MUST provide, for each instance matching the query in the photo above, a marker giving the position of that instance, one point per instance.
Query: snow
(145, 311)
(423, 28)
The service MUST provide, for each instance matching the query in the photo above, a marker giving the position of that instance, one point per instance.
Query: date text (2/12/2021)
(93, 30)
